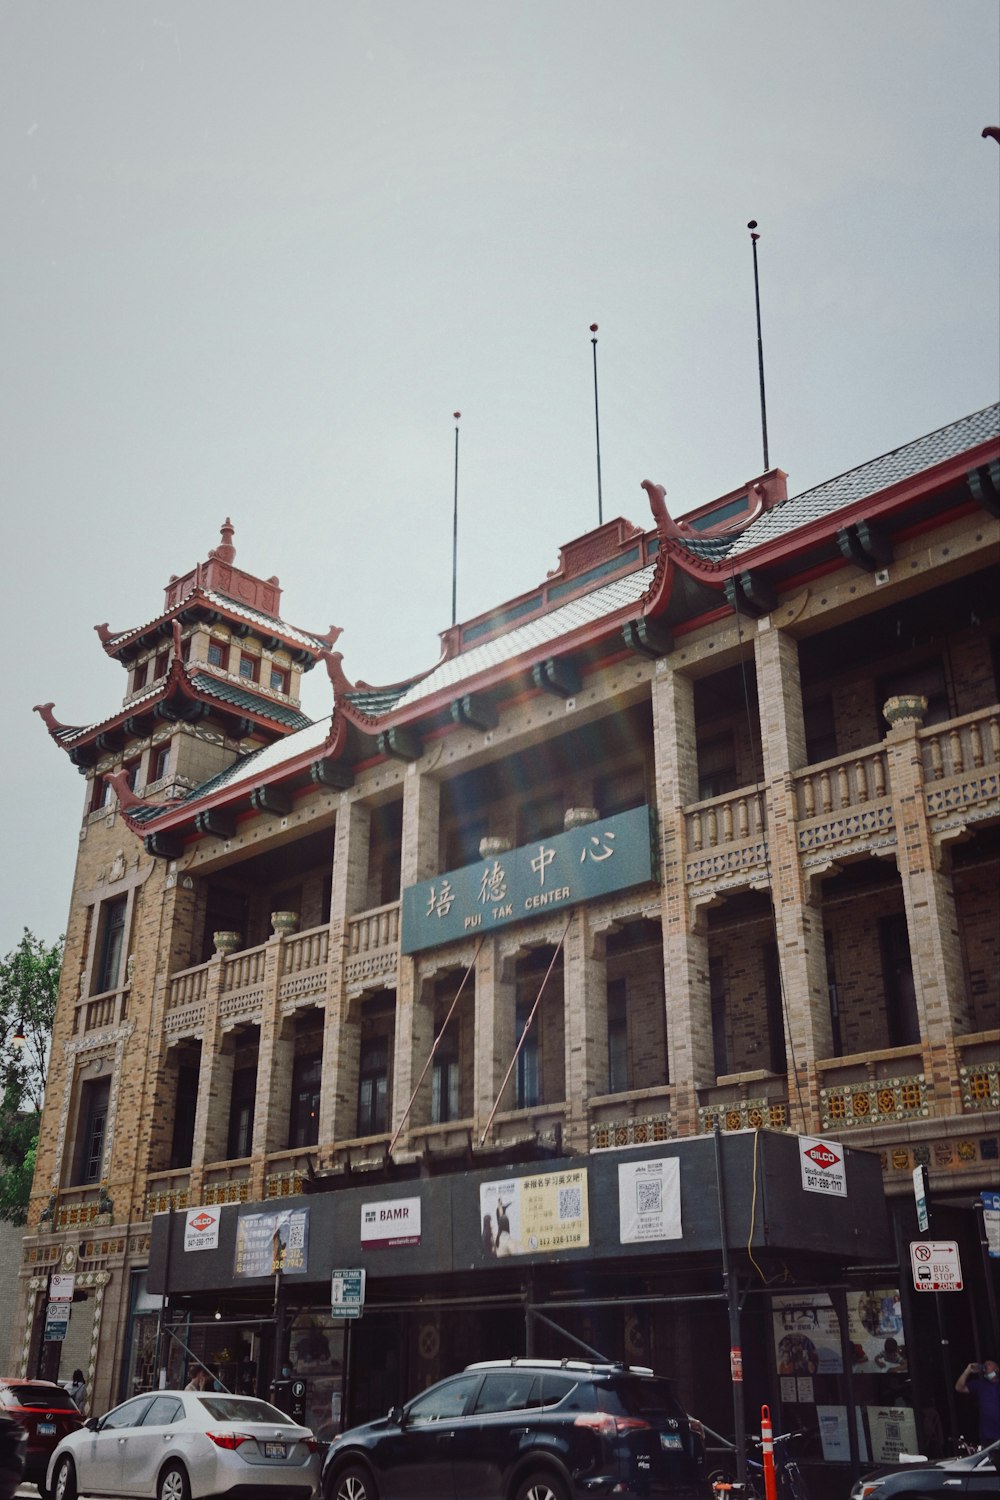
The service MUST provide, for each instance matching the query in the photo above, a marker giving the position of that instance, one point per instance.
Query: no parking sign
(936, 1266)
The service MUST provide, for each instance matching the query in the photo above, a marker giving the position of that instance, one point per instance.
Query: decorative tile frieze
(725, 861)
(858, 824)
(875, 1101)
(980, 1084)
(745, 1114)
(641, 1130)
(163, 1202)
(236, 1190)
(283, 1184)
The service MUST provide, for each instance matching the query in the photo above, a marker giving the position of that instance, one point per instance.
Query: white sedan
(179, 1445)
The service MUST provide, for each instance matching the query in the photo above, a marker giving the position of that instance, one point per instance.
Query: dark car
(976, 1475)
(13, 1442)
(525, 1429)
(46, 1412)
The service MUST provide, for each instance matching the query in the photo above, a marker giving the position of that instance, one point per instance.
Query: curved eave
(234, 794)
(928, 485)
(302, 646)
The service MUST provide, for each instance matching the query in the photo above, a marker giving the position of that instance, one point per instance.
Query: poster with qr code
(893, 1430)
(266, 1243)
(649, 1200)
(535, 1215)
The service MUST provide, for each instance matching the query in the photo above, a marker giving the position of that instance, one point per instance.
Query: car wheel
(64, 1484)
(546, 1486)
(173, 1484)
(354, 1483)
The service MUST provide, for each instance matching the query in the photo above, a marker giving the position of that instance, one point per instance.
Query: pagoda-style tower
(214, 677)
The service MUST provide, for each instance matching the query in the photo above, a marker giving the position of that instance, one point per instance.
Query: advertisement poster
(893, 1430)
(806, 1335)
(834, 1436)
(535, 1215)
(395, 1221)
(266, 1243)
(875, 1329)
(649, 1200)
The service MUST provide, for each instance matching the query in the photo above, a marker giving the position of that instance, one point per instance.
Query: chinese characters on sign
(594, 860)
(266, 1243)
(535, 1215)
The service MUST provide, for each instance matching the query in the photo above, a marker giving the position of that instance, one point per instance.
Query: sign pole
(732, 1300)
(979, 1206)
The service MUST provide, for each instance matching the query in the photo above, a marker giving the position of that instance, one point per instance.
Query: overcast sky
(256, 253)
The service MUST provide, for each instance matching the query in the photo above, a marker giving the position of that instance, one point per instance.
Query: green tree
(29, 984)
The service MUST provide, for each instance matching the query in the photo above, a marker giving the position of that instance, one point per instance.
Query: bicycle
(790, 1483)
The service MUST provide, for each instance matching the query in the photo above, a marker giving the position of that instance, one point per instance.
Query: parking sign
(936, 1266)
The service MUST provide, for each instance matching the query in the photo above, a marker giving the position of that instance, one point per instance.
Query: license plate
(46, 1429)
(670, 1440)
(274, 1450)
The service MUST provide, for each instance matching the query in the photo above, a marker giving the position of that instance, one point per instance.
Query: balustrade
(726, 835)
(189, 987)
(961, 763)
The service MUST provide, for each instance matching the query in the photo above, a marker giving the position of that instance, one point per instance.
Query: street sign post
(991, 1222)
(936, 1266)
(56, 1320)
(921, 1197)
(347, 1293)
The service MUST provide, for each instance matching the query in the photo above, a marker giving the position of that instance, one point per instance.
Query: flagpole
(760, 344)
(597, 430)
(454, 532)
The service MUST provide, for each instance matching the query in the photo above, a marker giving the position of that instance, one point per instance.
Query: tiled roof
(258, 763)
(582, 611)
(268, 623)
(857, 484)
(255, 703)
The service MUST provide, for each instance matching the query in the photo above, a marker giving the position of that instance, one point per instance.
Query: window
(94, 1096)
(833, 993)
(716, 766)
(159, 762)
(528, 1079)
(897, 977)
(131, 769)
(541, 819)
(508, 1390)
(444, 1080)
(139, 677)
(444, 1403)
(306, 1078)
(244, 1094)
(100, 793)
(717, 1000)
(129, 1415)
(279, 680)
(185, 1105)
(821, 730)
(164, 1410)
(249, 667)
(218, 654)
(111, 944)
(162, 663)
(777, 1061)
(373, 1087)
(618, 1073)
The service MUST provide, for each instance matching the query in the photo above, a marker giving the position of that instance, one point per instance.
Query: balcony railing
(845, 801)
(373, 948)
(726, 836)
(873, 1089)
(979, 1071)
(189, 987)
(961, 762)
(304, 961)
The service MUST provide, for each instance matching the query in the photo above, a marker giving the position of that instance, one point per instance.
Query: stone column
(275, 1060)
(685, 945)
(496, 998)
(419, 860)
(943, 1008)
(798, 918)
(585, 991)
(341, 1034)
(215, 1084)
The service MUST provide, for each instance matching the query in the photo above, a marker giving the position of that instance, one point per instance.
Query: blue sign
(991, 1222)
(597, 859)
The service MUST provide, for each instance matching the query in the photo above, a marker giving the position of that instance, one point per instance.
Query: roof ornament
(991, 132)
(127, 799)
(175, 631)
(333, 661)
(49, 719)
(104, 634)
(225, 552)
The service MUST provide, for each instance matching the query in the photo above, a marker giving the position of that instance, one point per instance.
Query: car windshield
(632, 1396)
(243, 1409)
(50, 1398)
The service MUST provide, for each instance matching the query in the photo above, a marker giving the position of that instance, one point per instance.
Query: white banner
(649, 1200)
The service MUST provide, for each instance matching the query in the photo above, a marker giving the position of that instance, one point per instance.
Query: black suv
(525, 1429)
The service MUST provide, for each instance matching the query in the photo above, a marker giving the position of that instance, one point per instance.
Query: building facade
(701, 829)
